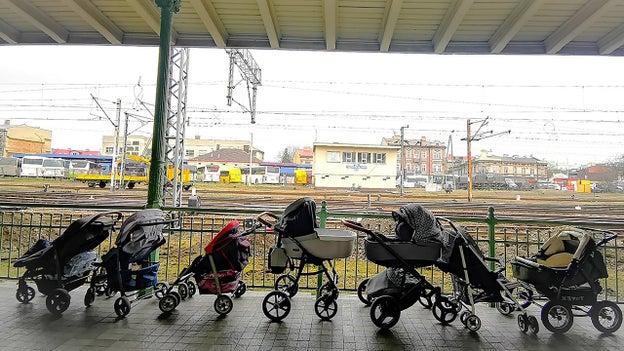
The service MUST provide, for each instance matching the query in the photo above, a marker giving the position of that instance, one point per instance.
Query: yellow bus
(232, 175)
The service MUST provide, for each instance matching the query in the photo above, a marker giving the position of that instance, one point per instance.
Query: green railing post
(491, 222)
(322, 224)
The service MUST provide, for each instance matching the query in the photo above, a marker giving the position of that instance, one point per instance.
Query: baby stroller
(417, 243)
(64, 264)
(566, 272)
(474, 282)
(217, 272)
(127, 267)
(300, 241)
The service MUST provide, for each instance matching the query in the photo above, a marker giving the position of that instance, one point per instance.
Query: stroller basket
(419, 254)
(228, 282)
(140, 278)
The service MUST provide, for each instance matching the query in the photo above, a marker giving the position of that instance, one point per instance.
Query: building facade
(23, 139)
(420, 156)
(354, 166)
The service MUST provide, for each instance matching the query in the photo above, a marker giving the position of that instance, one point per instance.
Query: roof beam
(449, 25)
(582, 19)
(151, 16)
(331, 10)
(212, 22)
(40, 20)
(87, 11)
(512, 25)
(612, 41)
(8, 33)
(269, 23)
(391, 21)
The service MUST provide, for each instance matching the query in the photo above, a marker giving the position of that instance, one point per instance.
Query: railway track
(541, 205)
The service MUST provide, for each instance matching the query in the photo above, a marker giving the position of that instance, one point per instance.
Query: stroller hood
(416, 223)
(141, 233)
(299, 218)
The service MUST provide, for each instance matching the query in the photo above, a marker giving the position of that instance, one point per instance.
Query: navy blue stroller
(127, 267)
(64, 264)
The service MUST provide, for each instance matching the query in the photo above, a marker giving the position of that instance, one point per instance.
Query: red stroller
(217, 272)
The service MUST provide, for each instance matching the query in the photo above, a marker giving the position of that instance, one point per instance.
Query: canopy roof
(564, 27)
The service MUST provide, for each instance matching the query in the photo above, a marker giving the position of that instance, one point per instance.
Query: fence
(19, 229)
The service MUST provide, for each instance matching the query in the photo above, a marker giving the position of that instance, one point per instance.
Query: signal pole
(402, 160)
(478, 135)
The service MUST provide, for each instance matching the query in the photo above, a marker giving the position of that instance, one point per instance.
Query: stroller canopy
(299, 218)
(567, 244)
(416, 223)
(82, 235)
(230, 229)
(141, 233)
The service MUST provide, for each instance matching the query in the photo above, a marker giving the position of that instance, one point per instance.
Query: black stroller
(474, 282)
(66, 263)
(127, 267)
(417, 243)
(300, 241)
(566, 272)
(217, 272)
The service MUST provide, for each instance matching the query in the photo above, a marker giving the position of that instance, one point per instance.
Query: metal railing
(19, 229)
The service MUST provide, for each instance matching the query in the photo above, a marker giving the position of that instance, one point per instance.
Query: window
(423, 168)
(437, 155)
(189, 153)
(364, 157)
(423, 155)
(109, 150)
(379, 158)
(333, 157)
(348, 157)
(137, 143)
(437, 168)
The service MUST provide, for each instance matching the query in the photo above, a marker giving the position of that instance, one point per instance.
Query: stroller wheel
(557, 317)
(25, 295)
(288, 284)
(276, 306)
(183, 290)
(330, 290)
(533, 325)
(385, 312)
(505, 308)
(606, 316)
(192, 288)
(241, 288)
(223, 304)
(89, 297)
(444, 310)
(473, 322)
(463, 317)
(361, 291)
(168, 303)
(426, 297)
(523, 322)
(160, 289)
(325, 308)
(122, 306)
(58, 301)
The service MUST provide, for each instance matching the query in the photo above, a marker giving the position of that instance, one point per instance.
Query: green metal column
(157, 165)
(491, 234)
(322, 224)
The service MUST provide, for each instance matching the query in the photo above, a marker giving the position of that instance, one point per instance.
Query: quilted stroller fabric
(416, 223)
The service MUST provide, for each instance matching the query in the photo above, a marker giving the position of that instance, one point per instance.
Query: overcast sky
(559, 109)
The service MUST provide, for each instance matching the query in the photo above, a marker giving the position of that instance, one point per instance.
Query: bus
(54, 168)
(210, 173)
(83, 167)
(261, 175)
(232, 175)
(415, 181)
(32, 166)
(9, 166)
(301, 176)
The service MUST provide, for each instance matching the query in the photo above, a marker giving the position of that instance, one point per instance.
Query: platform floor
(194, 325)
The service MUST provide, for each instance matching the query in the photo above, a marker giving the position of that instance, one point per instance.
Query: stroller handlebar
(269, 223)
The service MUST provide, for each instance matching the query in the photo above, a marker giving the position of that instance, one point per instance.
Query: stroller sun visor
(141, 232)
(231, 228)
(299, 218)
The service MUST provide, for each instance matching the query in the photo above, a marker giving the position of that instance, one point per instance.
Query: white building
(354, 166)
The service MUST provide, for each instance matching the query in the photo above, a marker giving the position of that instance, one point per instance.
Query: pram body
(566, 272)
(66, 263)
(217, 272)
(416, 243)
(299, 242)
(127, 267)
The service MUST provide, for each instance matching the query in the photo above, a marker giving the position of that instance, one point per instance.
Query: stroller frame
(563, 303)
(223, 304)
(386, 309)
(53, 284)
(129, 297)
(276, 305)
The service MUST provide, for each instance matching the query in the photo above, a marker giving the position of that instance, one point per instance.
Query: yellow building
(23, 139)
(354, 166)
